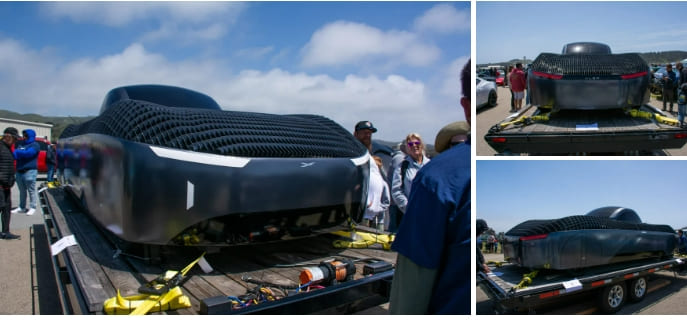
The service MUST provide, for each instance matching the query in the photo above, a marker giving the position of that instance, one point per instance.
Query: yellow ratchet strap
(160, 294)
(525, 120)
(496, 263)
(651, 116)
(362, 239)
(172, 300)
(527, 279)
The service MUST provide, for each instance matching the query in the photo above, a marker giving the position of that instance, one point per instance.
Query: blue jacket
(436, 231)
(26, 152)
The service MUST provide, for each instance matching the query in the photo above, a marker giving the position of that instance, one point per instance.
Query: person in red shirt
(518, 84)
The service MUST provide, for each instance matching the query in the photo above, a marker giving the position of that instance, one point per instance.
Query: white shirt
(377, 193)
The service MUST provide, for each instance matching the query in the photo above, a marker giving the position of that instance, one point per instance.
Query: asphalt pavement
(17, 277)
(489, 116)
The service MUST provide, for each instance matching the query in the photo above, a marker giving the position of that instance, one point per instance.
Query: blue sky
(511, 30)
(510, 192)
(396, 64)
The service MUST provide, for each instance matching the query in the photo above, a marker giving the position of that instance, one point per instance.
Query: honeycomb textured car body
(180, 170)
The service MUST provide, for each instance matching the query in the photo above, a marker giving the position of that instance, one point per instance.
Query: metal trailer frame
(372, 290)
(87, 272)
(543, 291)
(561, 140)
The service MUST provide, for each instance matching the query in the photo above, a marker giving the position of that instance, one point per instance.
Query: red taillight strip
(630, 275)
(548, 75)
(600, 283)
(533, 237)
(498, 140)
(634, 75)
(680, 135)
(549, 294)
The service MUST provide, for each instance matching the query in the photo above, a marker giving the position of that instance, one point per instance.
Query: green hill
(58, 123)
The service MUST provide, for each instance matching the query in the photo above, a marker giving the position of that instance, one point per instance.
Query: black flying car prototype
(603, 236)
(165, 165)
(587, 76)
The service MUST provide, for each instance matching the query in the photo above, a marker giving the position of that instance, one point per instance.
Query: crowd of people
(18, 164)
(674, 89)
(429, 208)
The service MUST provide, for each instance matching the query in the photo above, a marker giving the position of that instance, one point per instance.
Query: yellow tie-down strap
(164, 295)
(525, 120)
(362, 240)
(143, 303)
(657, 117)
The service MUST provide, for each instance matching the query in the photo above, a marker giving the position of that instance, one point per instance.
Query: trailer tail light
(548, 75)
(634, 75)
(549, 294)
(498, 140)
(534, 237)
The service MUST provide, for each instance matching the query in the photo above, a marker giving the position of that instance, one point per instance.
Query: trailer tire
(637, 289)
(612, 297)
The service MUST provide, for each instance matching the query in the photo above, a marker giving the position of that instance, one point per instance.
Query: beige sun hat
(443, 139)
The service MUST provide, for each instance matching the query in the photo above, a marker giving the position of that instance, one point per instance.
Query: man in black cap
(481, 263)
(378, 190)
(7, 176)
(363, 131)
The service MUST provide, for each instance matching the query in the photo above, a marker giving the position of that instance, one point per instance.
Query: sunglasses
(414, 143)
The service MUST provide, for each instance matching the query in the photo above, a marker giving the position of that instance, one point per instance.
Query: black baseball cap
(365, 125)
(481, 226)
(14, 132)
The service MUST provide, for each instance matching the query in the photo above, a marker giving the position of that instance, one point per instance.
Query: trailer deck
(92, 271)
(573, 131)
(502, 285)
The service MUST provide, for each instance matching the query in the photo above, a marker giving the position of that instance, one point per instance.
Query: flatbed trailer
(511, 292)
(537, 131)
(95, 268)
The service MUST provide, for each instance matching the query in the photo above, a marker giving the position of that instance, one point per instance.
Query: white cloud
(118, 14)
(343, 42)
(452, 86)
(443, 18)
(185, 34)
(37, 82)
(181, 21)
(257, 52)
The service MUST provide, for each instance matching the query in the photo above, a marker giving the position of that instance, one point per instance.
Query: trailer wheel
(637, 289)
(612, 298)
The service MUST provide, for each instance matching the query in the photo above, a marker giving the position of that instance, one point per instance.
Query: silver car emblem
(306, 164)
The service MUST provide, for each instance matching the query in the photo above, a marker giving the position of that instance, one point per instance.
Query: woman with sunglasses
(404, 174)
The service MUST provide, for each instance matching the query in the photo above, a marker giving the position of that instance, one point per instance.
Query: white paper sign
(61, 244)
(587, 127)
(572, 285)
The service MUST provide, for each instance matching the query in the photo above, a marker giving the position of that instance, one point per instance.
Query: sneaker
(30, 212)
(17, 210)
(10, 236)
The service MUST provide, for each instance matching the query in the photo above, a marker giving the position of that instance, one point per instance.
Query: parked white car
(486, 93)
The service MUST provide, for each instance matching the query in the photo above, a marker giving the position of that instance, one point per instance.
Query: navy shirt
(435, 231)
